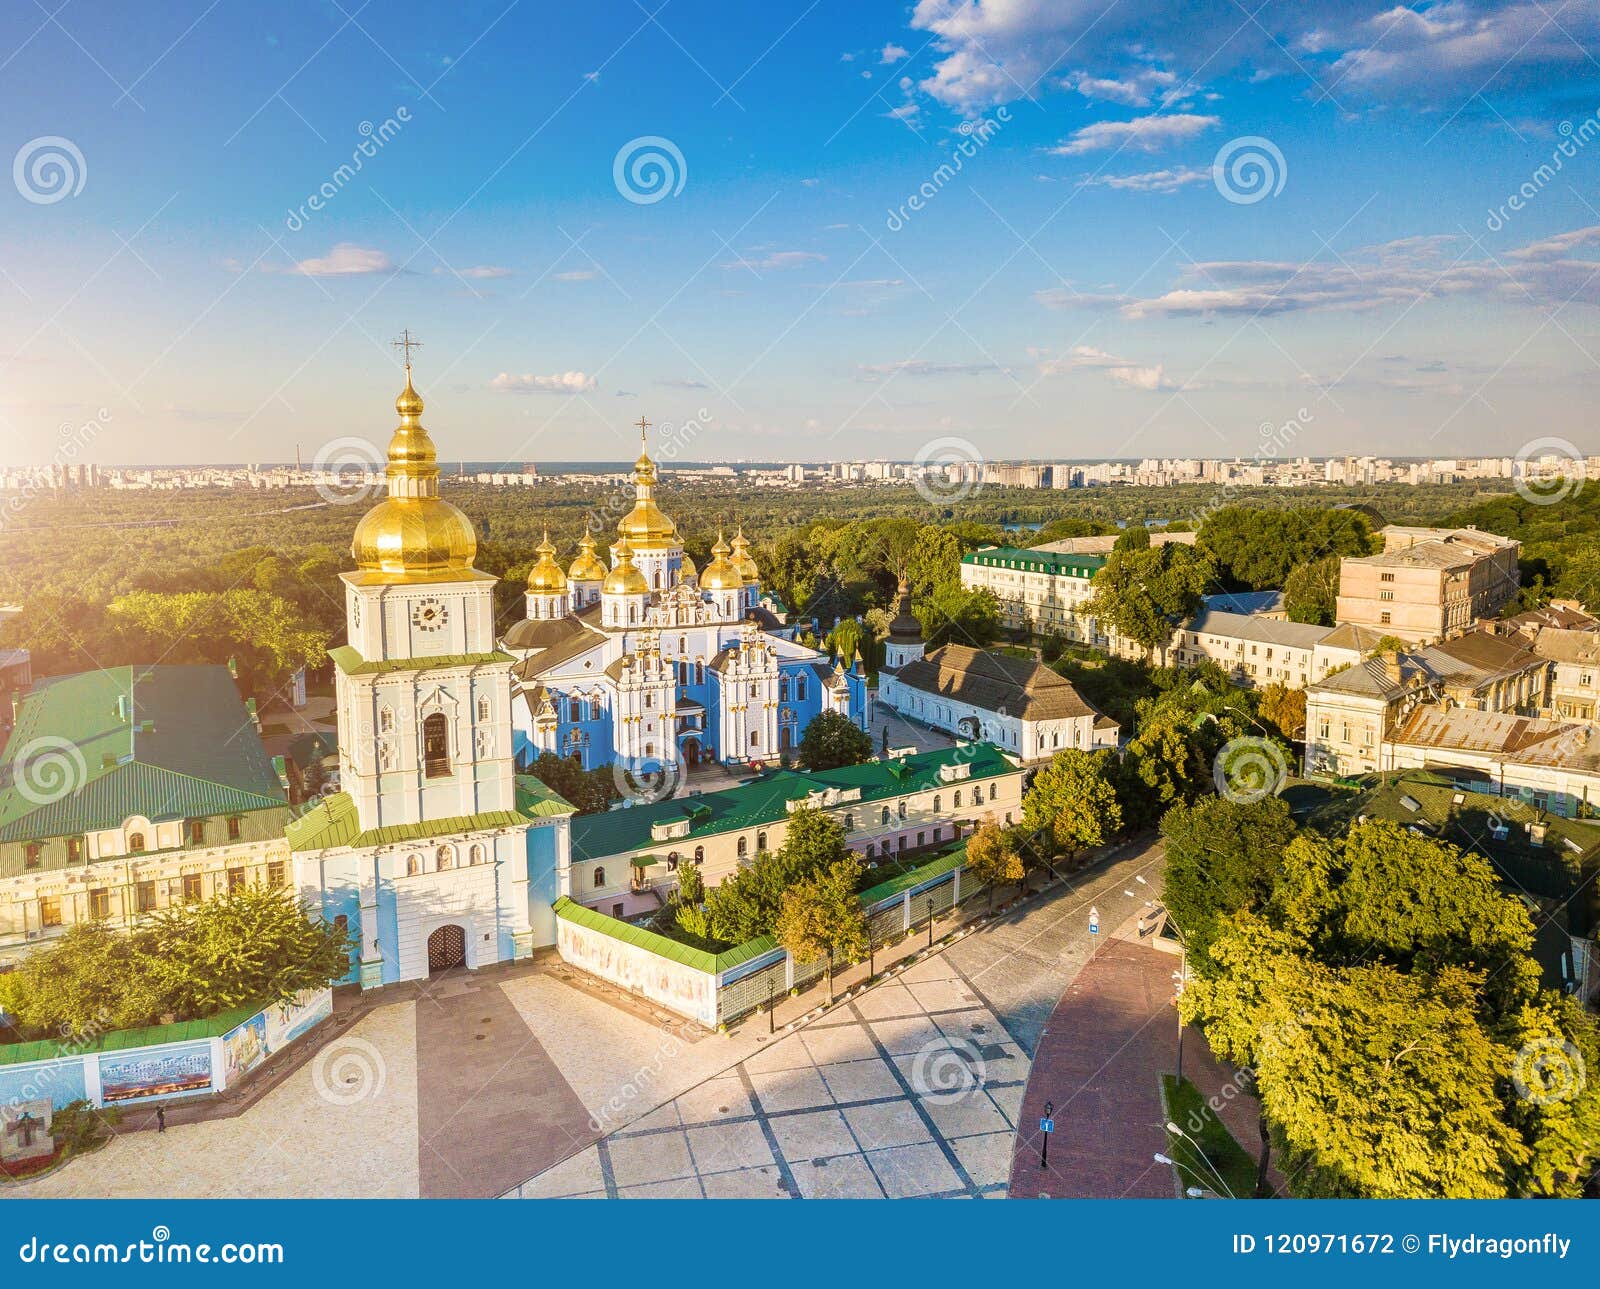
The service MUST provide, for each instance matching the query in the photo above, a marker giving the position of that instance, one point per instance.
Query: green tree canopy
(820, 916)
(1073, 801)
(1141, 593)
(832, 740)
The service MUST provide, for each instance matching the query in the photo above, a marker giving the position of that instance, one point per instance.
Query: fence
(192, 1058)
(719, 989)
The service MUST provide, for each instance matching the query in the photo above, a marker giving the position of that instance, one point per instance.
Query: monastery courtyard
(539, 1083)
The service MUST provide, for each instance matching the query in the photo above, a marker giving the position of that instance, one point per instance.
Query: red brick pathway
(1099, 1060)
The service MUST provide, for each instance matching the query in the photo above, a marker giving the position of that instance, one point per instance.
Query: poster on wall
(155, 1074)
(244, 1047)
(285, 1022)
(59, 1082)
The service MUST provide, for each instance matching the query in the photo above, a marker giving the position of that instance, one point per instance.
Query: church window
(483, 708)
(849, 822)
(755, 690)
(744, 847)
(633, 613)
(135, 842)
(475, 855)
(386, 720)
(755, 738)
(938, 803)
(599, 878)
(683, 644)
(445, 857)
(783, 690)
(413, 865)
(761, 841)
(958, 798)
(649, 748)
(800, 689)
(436, 746)
(699, 673)
(649, 702)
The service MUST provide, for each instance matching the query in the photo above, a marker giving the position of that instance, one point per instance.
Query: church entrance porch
(447, 948)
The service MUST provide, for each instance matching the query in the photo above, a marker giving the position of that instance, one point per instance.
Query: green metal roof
(349, 661)
(765, 800)
(334, 821)
(1057, 563)
(659, 945)
(122, 1040)
(934, 868)
(162, 742)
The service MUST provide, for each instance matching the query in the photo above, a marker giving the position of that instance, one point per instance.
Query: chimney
(1391, 667)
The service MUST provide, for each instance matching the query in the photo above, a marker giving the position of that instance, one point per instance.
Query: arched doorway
(447, 948)
(691, 751)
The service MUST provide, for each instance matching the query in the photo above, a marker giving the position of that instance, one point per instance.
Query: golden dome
(413, 532)
(587, 567)
(645, 527)
(625, 578)
(720, 575)
(546, 576)
(741, 559)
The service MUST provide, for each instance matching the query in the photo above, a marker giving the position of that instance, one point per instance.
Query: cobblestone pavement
(910, 1089)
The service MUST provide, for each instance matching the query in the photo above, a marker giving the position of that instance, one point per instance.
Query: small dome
(587, 567)
(625, 578)
(687, 570)
(546, 577)
(720, 574)
(402, 535)
(742, 561)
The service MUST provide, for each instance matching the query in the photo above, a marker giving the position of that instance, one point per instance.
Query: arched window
(800, 688)
(938, 803)
(958, 798)
(135, 842)
(386, 720)
(436, 746)
(444, 857)
(649, 702)
(744, 847)
(599, 878)
(699, 673)
(699, 854)
(761, 841)
(413, 865)
(901, 810)
(683, 644)
(755, 690)
(885, 818)
(849, 822)
(783, 690)
(476, 854)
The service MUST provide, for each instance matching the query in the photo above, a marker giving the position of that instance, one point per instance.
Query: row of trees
(253, 946)
(1380, 987)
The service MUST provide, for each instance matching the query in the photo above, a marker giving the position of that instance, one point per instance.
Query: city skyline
(1046, 232)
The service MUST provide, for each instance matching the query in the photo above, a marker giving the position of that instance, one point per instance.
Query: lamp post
(1183, 1136)
(1044, 1136)
(930, 921)
(772, 994)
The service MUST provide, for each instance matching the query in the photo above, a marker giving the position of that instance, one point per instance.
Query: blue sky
(1080, 286)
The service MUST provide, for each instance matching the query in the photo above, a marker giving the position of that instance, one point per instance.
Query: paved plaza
(471, 1084)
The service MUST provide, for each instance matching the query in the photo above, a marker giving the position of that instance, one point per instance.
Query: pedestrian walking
(161, 1118)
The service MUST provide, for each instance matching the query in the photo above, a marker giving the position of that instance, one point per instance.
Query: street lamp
(930, 921)
(1182, 1135)
(772, 993)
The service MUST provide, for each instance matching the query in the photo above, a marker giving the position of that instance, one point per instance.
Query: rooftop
(766, 799)
(1523, 740)
(334, 821)
(995, 682)
(1056, 563)
(159, 742)
(1243, 626)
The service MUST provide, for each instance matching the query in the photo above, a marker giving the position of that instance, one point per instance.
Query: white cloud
(893, 53)
(1135, 90)
(1169, 180)
(763, 259)
(576, 275)
(347, 260)
(921, 367)
(1119, 371)
(486, 271)
(567, 382)
(1143, 133)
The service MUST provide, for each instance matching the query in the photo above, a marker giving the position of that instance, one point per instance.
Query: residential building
(1428, 583)
(1256, 650)
(127, 791)
(1574, 687)
(625, 862)
(1043, 592)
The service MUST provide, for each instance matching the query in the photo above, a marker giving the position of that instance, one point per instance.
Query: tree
(1141, 593)
(1311, 591)
(963, 615)
(591, 791)
(746, 904)
(93, 979)
(832, 740)
(1284, 708)
(820, 915)
(1223, 857)
(992, 859)
(1257, 549)
(1073, 801)
(846, 639)
(255, 945)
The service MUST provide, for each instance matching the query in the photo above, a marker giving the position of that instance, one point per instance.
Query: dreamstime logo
(975, 135)
(948, 470)
(49, 768)
(948, 1070)
(1249, 169)
(644, 783)
(373, 139)
(1548, 471)
(648, 169)
(1249, 769)
(672, 439)
(49, 169)
(1573, 138)
(349, 1071)
(1547, 1071)
(348, 469)
(72, 441)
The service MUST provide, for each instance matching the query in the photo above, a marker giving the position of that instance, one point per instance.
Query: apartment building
(1041, 591)
(1257, 650)
(1574, 687)
(1428, 584)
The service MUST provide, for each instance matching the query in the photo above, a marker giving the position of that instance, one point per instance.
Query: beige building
(625, 862)
(1574, 657)
(1258, 651)
(1428, 583)
(129, 791)
(1044, 592)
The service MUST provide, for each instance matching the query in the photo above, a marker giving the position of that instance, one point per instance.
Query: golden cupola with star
(413, 534)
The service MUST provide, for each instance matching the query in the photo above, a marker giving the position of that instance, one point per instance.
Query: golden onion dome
(587, 567)
(720, 575)
(625, 578)
(742, 560)
(413, 532)
(546, 576)
(645, 527)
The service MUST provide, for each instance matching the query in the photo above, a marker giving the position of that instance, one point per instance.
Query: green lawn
(1216, 1148)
